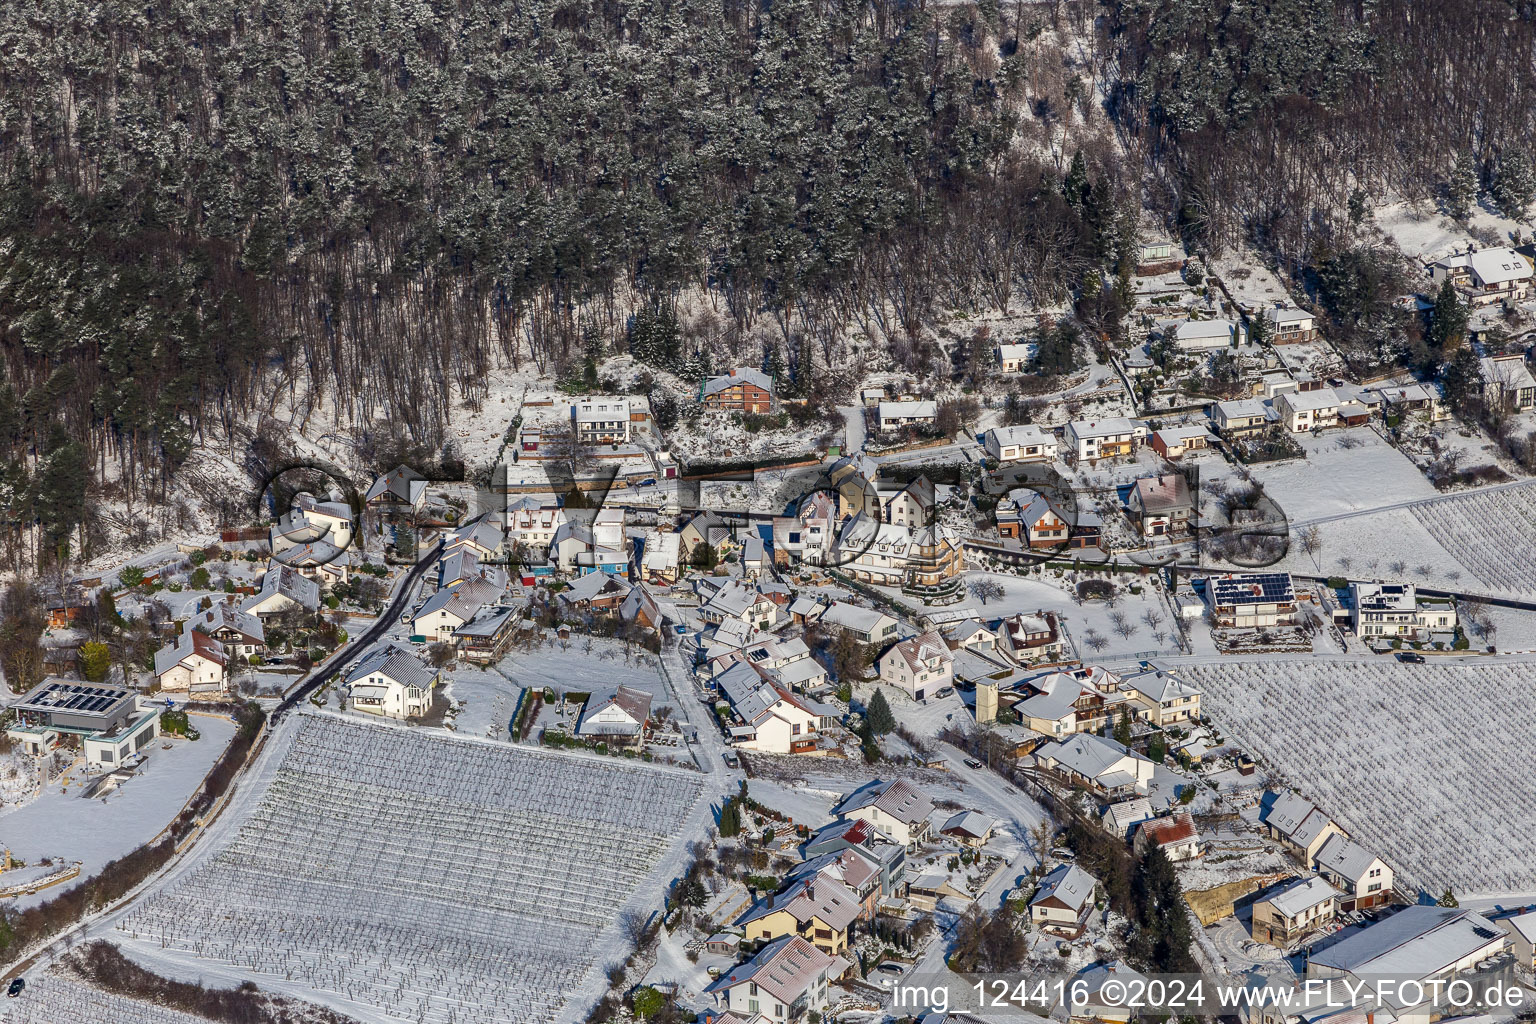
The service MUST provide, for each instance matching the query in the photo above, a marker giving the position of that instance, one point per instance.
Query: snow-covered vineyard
(436, 879)
(1484, 530)
(1427, 764)
(55, 998)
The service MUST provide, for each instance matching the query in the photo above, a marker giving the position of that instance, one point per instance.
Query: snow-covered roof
(187, 645)
(784, 969)
(1415, 942)
(1205, 330)
(923, 410)
(739, 375)
(1088, 755)
(969, 823)
(634, 703)
(1345, 858)
(394, 663)
(896, 797)
(227, 616)
(1109, 426)
(1311, 401)
(1498, 265)
(1068, 883)
(1299, 897)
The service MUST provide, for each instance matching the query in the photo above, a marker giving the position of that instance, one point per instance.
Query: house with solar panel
(106, 724)
(1252, 600)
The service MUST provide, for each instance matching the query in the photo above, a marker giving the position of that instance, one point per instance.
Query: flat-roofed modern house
(1397, 610)
(1252, 600)
(107, 724)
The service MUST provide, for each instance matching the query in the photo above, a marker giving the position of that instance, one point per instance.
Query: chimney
(770, 901)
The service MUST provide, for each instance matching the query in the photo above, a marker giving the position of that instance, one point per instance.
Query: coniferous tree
(878, 714)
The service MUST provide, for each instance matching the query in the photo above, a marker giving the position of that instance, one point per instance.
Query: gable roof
(462, 600)
(969, 823)
(919, 649)
(189, 644)
(784, 969)
(395, 663)
(1345, 858)
(1069, 884)
(896, 797)
(634, 703)
(810, 897)
(738, 375)
(1088, 755)
(1299, 897)
(400, 484)
(227, 616)
(1179, 828)
(1415, 942)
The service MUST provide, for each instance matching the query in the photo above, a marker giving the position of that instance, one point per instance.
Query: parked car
(17, 984)
(1410, 658)
(890, 973)
(944, 691)
(972, 763)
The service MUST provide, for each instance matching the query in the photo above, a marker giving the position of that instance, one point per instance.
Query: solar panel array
(78, 698)
(1253, 588)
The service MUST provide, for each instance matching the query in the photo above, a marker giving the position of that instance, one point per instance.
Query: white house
(1507, 381)
(1098, 763)
(283, 588)
(1397, 610)
(1102, 439)
(1302, 411)
(866, 624)
(770, 717)
(912, 505)
(1062, 902)
(391, 682)
(1289, 325)
(1485, 276)
(786, 981)
(602, 419)
(1296, 910)
(1014, 358)
(1299, 826)
(894, 807)
(894, 415)
(241, 633)
(1027, 443)
(195, 663)
(1161, 698)
(533, 523)
(1362, 878)
(1252, 600)
(615, 716)
(918, 666)
(451, 607)
(1242, 417)
(401, 488)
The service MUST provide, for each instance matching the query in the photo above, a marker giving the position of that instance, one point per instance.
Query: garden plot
(434, 879)
(1489, 532)
(1428, 765)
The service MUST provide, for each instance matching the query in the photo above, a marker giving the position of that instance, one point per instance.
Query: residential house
(742, 390)
(484, 638)
(1091, 440)
(1063, 901)
(1102, 765)
(401, 489)
(603, 419)
(1426, 400)
(1120, 819)
(107, 724)
(195, 664)
(936, 554)
(894, 807)
(1030, 639)
(534, 523)
(1252, 600)
(858, 834)
(1175, 835)
(891, 555)
(740, 600)
(818, 908)
(1308, 410)
(786, 981)
(597, 593)
(640, 608)
(450, 608)
(1041, 525)
(1507, 382)
(311, 520)
(617, 716)
(891, 416)
(1108, 993)
(1362, 878)
(919, 666)
(283, 589)
(969, 828)
(661, 557)
(1015, 358)
(1161, 698)
(709, 529)
(806, 535)
(1027, 443)
(1162, 505)
(1288, 325)
(241, 633)
(1300, 827)
(1070, 701)
(1485, 276)
(392, 682)
(1243, 417)
(1397, 610)
(854, 867)
(769, 716)
(1203, 335)
(1176, 442)
(867, 625)
(912, 506)
(1298, 909)
(571, 542)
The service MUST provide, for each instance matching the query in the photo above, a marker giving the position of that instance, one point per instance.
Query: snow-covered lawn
(1347, 470)
(428, 878)
(95, 831)
(1428, 765)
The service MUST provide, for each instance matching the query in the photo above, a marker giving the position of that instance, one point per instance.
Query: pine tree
(95, 661)
(1462, 380)
(1448, 898)
(1123, 728)
(1448, 319)
(1075, 187)
(730, 818)
(1461, 190)
(878, 715)
(705, 556)
(1515, 185)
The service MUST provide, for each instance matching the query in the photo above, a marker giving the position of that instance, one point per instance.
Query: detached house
(1252, 600)
(1397, 610)
(1162, 699)
(1030, 639)
(918, 666)
(283, 588)
(1161, 505)
(1062, 903)
(1296, 910)
(1362, 878)
(194, 664)
(786, 981)
(401, 489)
(1100, 764)
(1092, 440)
(866, 624)
(1174, 835)
(392, 682)
(1040, 524)
(891, 416)
(742, 390)
(1485, 276)
(619, 715)
(1176, 442)
(894, 807)
(1014, 358)
(450, 608)
(913, 505)
(1242, 417)
(241, 633)
(1302, 411)
(768, 715)
(1027, 443)
(1202, 335)
(1289, 325)
(1507, 381)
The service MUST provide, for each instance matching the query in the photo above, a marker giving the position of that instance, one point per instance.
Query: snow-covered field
(426, 878)
(54, 998)
(97, 830)
(1428, 765)
(1346, 470)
